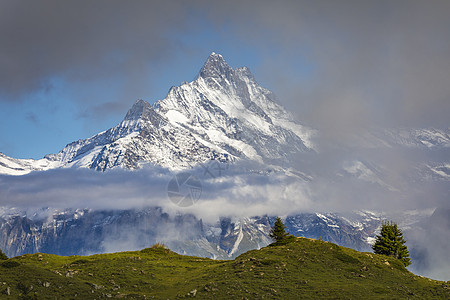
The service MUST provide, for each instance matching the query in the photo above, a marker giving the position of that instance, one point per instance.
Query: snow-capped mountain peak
(224, 114)
(216, 67)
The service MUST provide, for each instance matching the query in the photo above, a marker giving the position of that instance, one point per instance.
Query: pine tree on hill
(3, 255)
(390, 242)
(278, 232)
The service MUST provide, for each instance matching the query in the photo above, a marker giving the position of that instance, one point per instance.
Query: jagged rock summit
(224, 114)
(216, 67)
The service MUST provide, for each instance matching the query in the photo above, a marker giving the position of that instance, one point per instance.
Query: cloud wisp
(343, 186)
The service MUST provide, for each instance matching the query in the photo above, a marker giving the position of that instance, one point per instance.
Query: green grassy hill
(303, 268)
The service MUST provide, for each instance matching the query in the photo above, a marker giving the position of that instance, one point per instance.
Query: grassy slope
(304, 268)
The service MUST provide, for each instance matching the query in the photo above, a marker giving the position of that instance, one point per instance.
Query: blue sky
(72, 69)
(46, 120)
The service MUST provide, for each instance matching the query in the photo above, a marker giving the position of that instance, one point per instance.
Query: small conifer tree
(278, 232)
(3, 255)
(390, 242)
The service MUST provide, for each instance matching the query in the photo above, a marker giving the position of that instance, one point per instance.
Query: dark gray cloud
(368, 62)
(94, 46)
(340, 65)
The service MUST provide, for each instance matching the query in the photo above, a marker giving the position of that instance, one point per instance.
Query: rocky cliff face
(78, 232)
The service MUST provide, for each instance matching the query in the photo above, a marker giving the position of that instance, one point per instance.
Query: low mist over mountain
(206, 169)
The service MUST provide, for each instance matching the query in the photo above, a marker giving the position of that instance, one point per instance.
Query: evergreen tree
(3, 255)
(278, 232)
(390, 242)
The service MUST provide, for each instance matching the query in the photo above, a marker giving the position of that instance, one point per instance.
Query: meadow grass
(301, 269)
